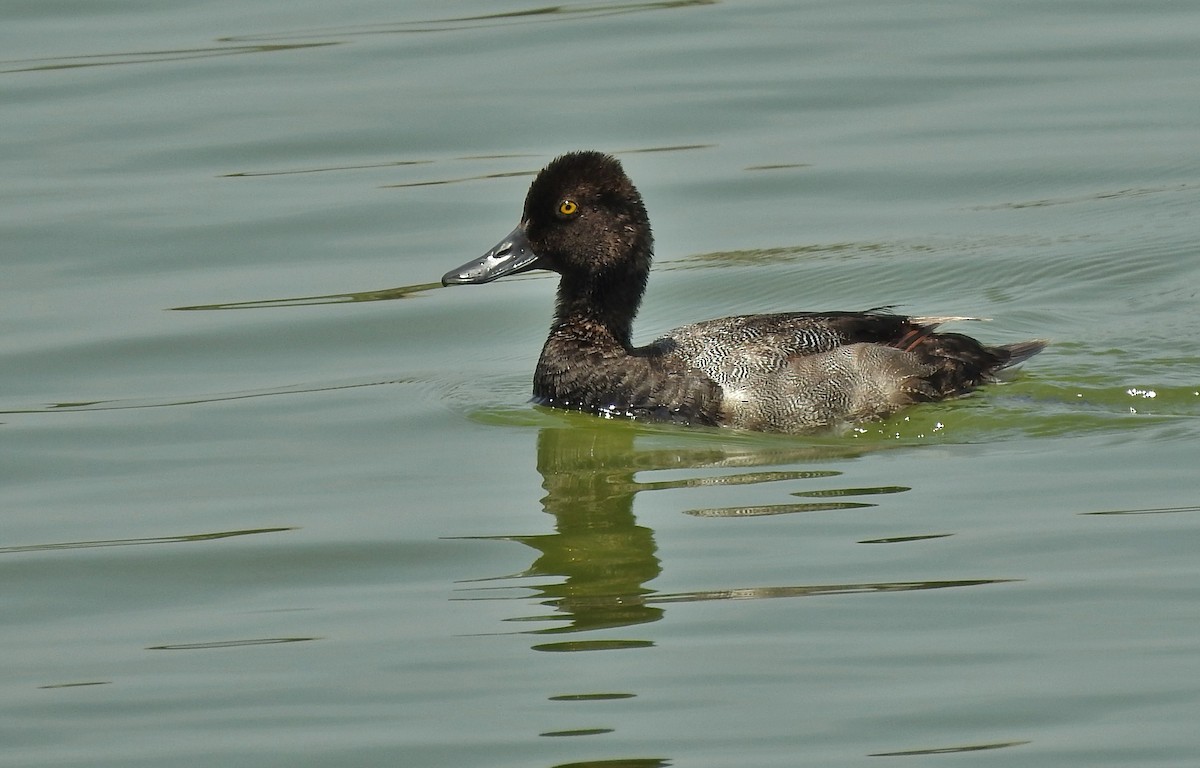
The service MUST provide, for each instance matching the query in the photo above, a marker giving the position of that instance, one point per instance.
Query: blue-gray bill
(510, 256)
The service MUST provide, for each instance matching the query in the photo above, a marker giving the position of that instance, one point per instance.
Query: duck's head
(583, 218)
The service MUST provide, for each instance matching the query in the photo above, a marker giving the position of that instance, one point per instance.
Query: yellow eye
(568, 208)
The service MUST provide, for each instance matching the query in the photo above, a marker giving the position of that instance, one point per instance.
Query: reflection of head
(605, 557)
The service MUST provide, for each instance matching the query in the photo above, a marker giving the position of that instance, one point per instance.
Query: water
(312, 520)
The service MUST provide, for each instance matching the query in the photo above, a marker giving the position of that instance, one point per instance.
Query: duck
(790, 372)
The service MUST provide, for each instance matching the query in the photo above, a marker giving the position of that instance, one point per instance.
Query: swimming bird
(789, 372)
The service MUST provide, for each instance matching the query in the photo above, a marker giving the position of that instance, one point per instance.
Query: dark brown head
(585, 220)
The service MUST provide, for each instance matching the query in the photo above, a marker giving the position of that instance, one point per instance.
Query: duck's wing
(779, 337)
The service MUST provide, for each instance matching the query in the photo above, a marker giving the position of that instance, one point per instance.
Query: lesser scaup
(790, 372)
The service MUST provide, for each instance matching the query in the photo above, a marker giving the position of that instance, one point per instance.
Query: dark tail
(961, 363)
(1014, 354)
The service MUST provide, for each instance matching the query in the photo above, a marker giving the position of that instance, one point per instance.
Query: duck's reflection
(604, 555)
(599, 557)
(593, 570)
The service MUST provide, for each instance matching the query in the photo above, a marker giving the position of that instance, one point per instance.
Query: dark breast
(653, 383)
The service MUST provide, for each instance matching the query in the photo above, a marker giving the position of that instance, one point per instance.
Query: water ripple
(229, 643)
(812, 590)
(192, 537)
(536, 15)
(143, 57)
(951, 750)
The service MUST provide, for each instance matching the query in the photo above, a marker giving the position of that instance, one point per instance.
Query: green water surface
(270, 496)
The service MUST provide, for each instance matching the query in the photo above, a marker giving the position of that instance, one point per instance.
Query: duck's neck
(600, 311)
(588, 362)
